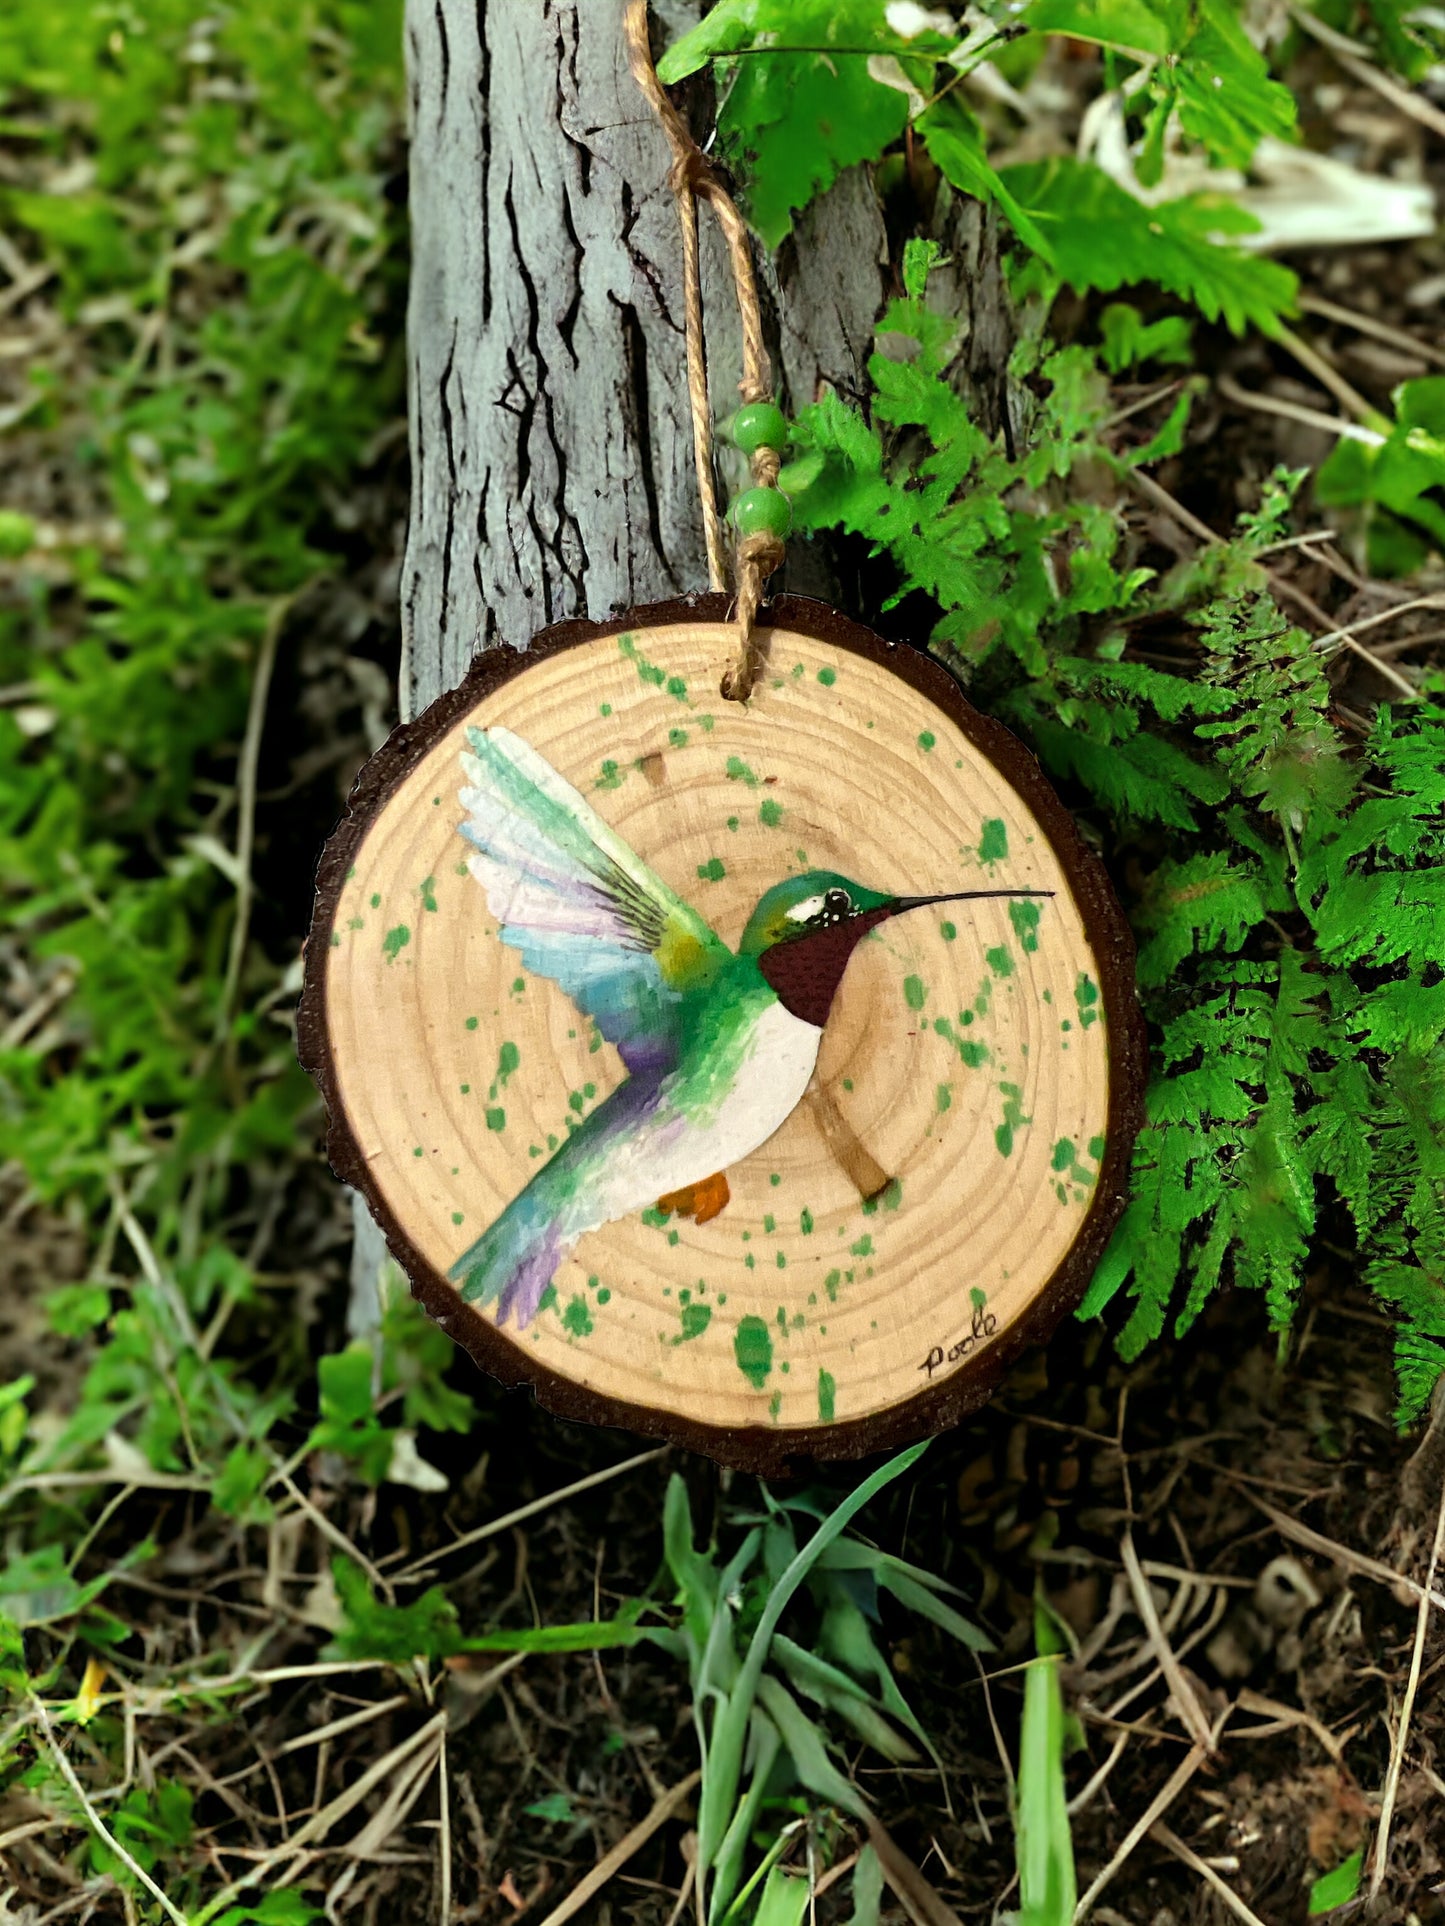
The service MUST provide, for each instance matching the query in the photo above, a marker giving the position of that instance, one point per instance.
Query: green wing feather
(578, 903)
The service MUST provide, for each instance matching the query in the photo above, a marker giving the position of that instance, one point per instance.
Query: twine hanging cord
(693, 179)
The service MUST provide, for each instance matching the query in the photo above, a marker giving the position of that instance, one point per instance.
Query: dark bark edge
(767, 1450)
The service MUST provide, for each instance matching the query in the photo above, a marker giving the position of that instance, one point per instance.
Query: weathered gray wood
(551, 446)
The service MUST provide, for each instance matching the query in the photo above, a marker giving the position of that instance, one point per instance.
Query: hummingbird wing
(579, 905)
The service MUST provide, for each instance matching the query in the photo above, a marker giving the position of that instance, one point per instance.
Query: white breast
(670, 1152)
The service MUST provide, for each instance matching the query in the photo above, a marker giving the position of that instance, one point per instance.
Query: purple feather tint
(522, 1292)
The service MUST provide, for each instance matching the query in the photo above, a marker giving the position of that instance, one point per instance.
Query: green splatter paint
(712, 871)
(458, 1217)
(736, 770)
(649, 672)
(805, 1223)
(978, 1297)
(830, 1285)
(914, 992)
(1025, 919)
(999, 961)
(1086, 996)
(577, 1319)
(753, 1349)
(508, 1058)
(890, 1197)
(827, 1397)
(1063, 1153)
(827, 677)
(496, 1117)
(609, 777)
(926, 740)
(1096, 1149)
(519, 983)
(427, 890)
(548, 1298)
(973, 1054)
(356, 923)
(945, 1097)
(677, 738)
(695, 1320)
(1013, 1118)
(770, 814)
(471, 1023)
(395, 941)
(605, 709)
(993, 841)
(863, 1247)
(948, 931)
(782, 1261)
(376, 901)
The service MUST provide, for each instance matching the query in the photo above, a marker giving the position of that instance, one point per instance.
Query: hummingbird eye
(837, 903)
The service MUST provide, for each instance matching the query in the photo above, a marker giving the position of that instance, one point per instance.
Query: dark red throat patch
(804, 972)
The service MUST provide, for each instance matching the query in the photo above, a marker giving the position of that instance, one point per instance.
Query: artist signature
(983, 1326)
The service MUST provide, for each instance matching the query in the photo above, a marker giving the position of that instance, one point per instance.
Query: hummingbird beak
(901, 903)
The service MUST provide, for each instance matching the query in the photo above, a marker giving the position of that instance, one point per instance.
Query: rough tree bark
(552, 468)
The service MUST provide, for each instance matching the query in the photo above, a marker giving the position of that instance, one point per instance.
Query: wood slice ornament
(760, 1075)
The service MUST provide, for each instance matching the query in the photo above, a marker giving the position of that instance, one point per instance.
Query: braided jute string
(693, 179)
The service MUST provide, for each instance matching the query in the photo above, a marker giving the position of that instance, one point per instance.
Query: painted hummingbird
(719, 1046)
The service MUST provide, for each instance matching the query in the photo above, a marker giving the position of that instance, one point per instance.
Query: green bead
(761, 511)
(759, 424)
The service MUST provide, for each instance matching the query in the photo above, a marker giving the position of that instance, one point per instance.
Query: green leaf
(1399, 478)
(555, 1807)
(427, 1628)
(1098, 237)
(793, 121)
(784, 1898)
(1226, 98)
(726, 27)
(955, 145)
(1336, 1888)
(279, 1907)
(1112, 23)
(1044, 1846)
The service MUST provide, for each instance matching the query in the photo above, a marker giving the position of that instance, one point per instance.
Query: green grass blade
(808, 1749)
(920, 1599)
(836, 1692)
(867, 1889)
(720, 1787)
(1045, 1849)
(785, 1899)
(766, 1745)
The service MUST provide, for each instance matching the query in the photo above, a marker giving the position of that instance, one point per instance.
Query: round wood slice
(940, 1195)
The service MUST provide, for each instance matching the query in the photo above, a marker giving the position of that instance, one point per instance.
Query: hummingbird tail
(513, 1261)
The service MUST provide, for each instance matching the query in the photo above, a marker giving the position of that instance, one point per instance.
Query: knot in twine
(693, 178)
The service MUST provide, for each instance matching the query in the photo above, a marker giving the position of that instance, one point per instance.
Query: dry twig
(1190, 1857)
(626, 1846)
(1397, 1751)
